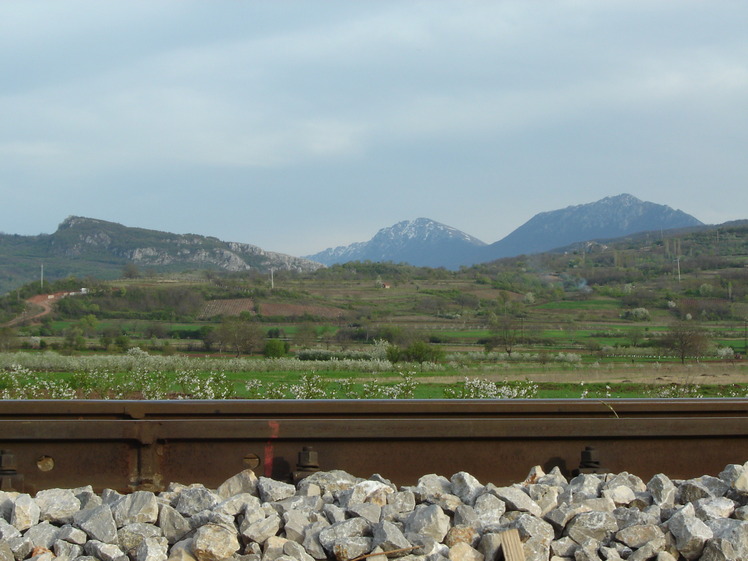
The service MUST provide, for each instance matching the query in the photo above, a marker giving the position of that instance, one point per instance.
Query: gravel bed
(334, 515)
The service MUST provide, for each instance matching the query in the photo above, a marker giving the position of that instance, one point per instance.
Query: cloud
(331, 89)
(380, 110)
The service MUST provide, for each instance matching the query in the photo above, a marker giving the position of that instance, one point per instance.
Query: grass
(139, 375)
(580, 305)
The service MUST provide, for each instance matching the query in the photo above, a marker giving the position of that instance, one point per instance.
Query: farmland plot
(232, 307)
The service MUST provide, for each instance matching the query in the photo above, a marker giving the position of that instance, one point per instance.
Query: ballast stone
(21, 547)
(734, 531)
(344, 531)
(173, 525)
(662, 490)
(593, 525)
(691, 534)
(131, 536)
(98, 523)
(104, 551)
(8, 531)
(25, 513)
(295, 523)
(296, 551)
(72, 535)
(6, 553)
(466, 487)
(334, 515)
(213, 543)
(43, 534)
(151, 549)
(639, 535)
(714, 508)
(243, 482)
(273, 491)
(193, 500)
(263, 529)
(366, 492)
(57, 505)
(138, 507)
(515, 498)
(429, 520)
(489, 510)
(64, 550)
(702, 487)
(462, 551)
(388, 536)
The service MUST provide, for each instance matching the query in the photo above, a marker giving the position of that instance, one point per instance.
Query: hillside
(608, 218)
(421, 242)
(87, 247)
(424, 242)
(83, 247)
(599, 311)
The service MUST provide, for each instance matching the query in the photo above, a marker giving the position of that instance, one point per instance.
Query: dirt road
(36, 307)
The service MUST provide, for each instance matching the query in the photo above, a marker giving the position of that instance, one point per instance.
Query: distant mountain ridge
(611, 217)
(87, 246)
(423, 242)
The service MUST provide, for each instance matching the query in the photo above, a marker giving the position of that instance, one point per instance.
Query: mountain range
(427, 243)
(89, 247)
(421, 242)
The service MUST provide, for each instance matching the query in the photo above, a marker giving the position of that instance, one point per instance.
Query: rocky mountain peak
(425, 242)
(422, 242)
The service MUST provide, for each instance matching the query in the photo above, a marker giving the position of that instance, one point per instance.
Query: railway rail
(145, 445)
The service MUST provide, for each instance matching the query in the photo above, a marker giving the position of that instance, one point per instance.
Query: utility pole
(272, 280)
(41, 282)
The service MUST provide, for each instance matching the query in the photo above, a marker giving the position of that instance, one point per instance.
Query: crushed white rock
(334, 515)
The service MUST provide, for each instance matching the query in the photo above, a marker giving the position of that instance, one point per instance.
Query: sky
(302, 125)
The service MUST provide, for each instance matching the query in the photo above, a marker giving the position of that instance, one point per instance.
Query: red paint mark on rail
(269, 453)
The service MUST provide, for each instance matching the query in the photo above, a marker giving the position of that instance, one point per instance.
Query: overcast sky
(298, 126)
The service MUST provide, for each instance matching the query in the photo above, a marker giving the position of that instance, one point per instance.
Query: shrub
(122, 342)
(275, 348)
(636, 314)
(417, 351)
(475, 388)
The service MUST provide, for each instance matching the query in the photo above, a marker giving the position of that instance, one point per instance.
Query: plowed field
(236, 306)
(232, 307)
(274, 309)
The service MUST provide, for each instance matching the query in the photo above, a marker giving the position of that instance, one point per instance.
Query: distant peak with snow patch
(421, 242)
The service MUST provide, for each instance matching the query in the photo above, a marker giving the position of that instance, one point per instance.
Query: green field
(612, 314)
(139, 375)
